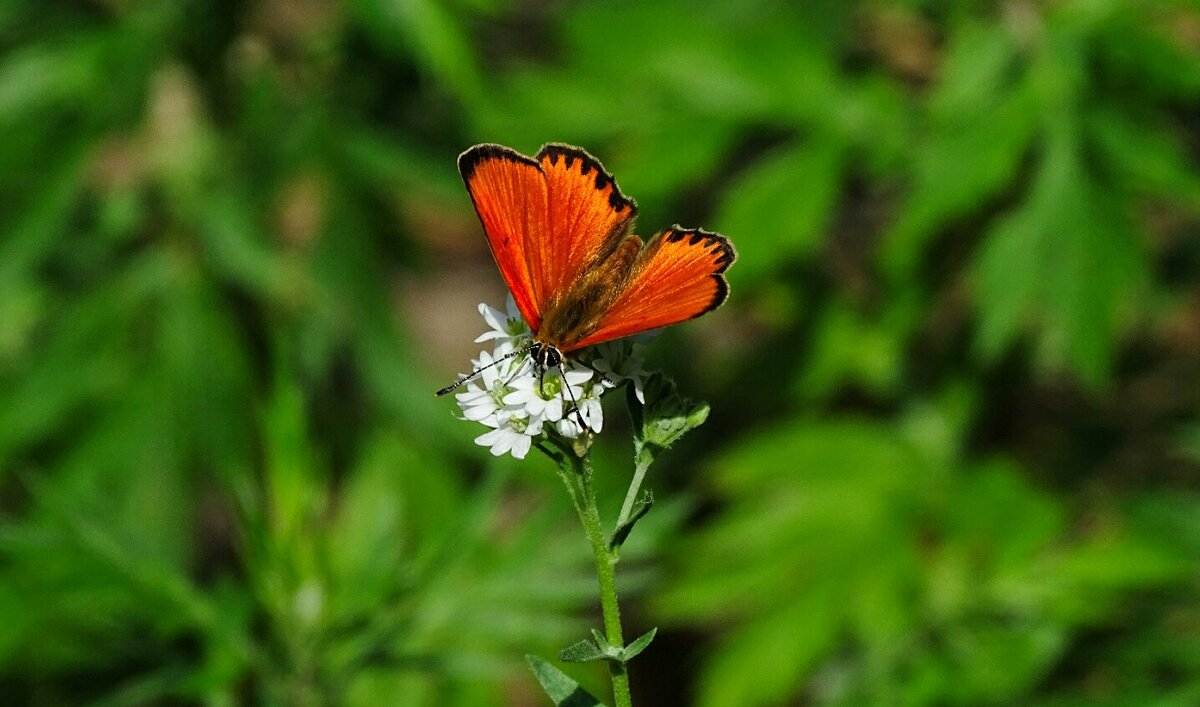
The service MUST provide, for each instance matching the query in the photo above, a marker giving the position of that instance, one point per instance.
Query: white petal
(504, 444)
(494, 318)
(593, 414)
(519, 397)
(478, 413)
(521, 446)
(490, 437)
(577, 376)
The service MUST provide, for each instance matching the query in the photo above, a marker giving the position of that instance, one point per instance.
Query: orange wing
(547, 219)
(677, 276)
(509, 192)
(587, 216)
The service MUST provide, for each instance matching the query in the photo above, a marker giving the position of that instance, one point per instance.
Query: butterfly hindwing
(677, 276)
(509, 192)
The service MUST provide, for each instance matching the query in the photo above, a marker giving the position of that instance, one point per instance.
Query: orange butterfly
(558, 227)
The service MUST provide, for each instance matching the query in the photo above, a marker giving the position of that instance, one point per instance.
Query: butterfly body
(559, 229)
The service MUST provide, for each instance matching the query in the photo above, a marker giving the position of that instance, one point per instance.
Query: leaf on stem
(583, 652)
(638, 645)
(641, 508)
(559, 686)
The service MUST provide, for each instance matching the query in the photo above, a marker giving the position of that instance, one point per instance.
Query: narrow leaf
(583, 652)
(559, 686)
(602, 643)
(640, 509)
(638, 645)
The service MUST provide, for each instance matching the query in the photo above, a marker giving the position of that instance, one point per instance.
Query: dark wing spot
(719, 296)
(618, 201)
(717, 245)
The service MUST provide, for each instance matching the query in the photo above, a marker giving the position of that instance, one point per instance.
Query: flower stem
(606, 574)
(643, 462)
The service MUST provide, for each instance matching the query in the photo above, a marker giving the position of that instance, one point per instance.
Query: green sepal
(665, 417)
(641, 508)
(559, 686)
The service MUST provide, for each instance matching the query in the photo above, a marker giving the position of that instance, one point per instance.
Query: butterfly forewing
(509, 193)
(549, 219)
(587, 216)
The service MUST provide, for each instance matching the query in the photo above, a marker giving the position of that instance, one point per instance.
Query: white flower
(619, 361)
(503, 325)
(591, 413)
(507, 437)
(520, 404)
(479, 404)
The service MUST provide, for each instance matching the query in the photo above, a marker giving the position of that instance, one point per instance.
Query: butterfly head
(545, 355)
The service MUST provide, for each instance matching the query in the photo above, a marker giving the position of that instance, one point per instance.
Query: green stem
(606, 574)
(642, 464)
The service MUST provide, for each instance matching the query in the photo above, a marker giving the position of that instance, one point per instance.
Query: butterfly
(559, 229)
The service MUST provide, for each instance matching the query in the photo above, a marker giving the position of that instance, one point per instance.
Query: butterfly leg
(574, 403)
(518, 371)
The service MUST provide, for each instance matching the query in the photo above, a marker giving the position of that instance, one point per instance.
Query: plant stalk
(606, 562)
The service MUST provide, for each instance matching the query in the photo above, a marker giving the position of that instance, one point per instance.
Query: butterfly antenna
(574, 403)
(468, 376)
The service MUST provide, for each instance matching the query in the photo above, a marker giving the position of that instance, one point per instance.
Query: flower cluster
(520, 403)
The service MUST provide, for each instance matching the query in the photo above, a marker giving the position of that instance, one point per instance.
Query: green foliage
(952, 449)
(562, 689)
(873, 574)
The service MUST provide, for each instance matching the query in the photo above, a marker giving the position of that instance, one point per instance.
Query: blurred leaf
(1148, 159)
(432, 33)
(1065, 260)
(778, 209)
(849, 349)
(980, 127)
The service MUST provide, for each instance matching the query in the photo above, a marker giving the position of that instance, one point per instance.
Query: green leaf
(976, 110)
(1065, 265)
(432, 33)
(638, 645)
(641, 508)
(559, 686)
(779, 208)
(584, 651)
(602, 641)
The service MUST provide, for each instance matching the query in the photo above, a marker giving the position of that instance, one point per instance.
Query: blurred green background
(955, 445)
